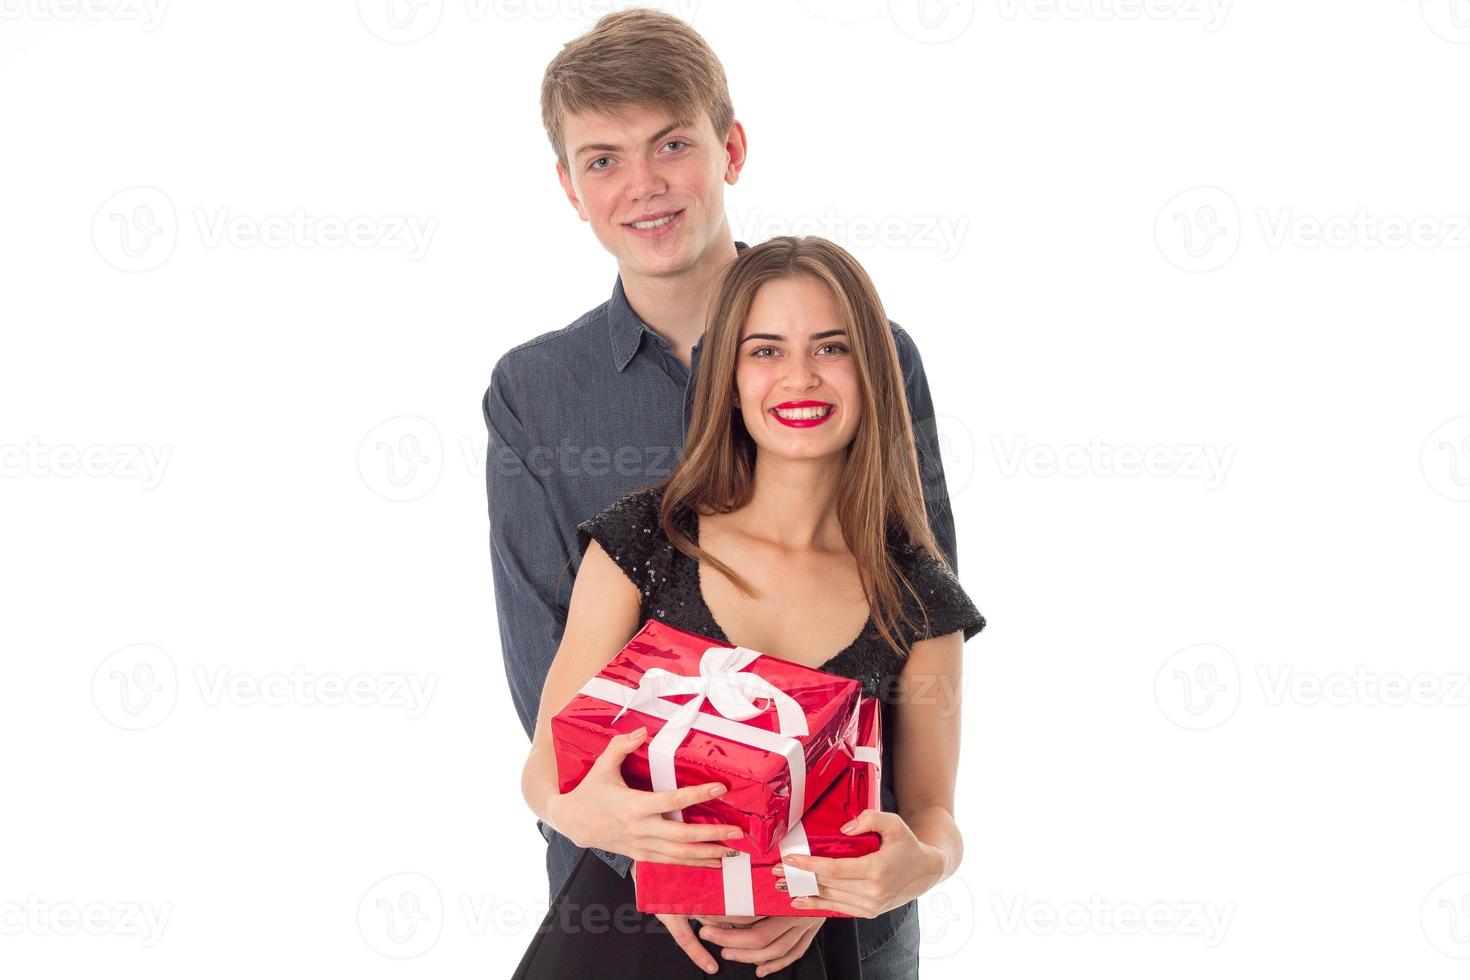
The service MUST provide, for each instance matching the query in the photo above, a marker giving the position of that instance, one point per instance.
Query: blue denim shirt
(577, 418)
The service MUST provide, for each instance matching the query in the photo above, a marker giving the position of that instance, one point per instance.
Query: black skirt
(594, 929)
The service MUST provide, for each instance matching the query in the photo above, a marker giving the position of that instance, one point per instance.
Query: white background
(1227, 698)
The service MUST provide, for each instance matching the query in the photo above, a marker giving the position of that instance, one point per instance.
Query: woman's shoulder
(630, 531)
(938, 595)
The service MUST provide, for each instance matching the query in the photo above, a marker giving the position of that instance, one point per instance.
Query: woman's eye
(840, 348)
(757, 351)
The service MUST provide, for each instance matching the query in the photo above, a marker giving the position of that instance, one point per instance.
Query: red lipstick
(804, 423)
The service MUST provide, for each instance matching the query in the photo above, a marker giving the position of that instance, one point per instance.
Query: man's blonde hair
(635, 58)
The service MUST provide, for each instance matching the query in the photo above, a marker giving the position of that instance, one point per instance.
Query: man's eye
(675, 143)
(594, 164)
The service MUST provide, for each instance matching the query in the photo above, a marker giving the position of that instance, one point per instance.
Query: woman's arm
(602, 811)
(926, 747)
(921, 843)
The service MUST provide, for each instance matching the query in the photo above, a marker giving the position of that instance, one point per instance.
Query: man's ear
(569, 190)
(736, 147)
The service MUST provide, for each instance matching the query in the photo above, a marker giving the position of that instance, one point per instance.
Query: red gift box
(725, 709)
(745, 884)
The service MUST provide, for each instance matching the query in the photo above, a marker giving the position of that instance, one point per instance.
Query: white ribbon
(731, 690)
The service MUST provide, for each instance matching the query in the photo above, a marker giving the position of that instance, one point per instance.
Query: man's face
(798, 385)
(652, 189)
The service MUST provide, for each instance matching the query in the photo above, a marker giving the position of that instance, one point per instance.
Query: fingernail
(734, 834)
(710, 968)
(799, 903)
(778, 871)
(849, 827)
(638, 733)
(716, 789)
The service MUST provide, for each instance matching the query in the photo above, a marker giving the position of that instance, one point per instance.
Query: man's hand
(683, 933)
(773, 942)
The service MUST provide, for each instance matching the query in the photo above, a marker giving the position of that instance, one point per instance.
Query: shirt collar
(624, 326)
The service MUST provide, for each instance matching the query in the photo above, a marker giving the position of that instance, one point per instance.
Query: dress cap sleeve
(630, 532)
(941, 597)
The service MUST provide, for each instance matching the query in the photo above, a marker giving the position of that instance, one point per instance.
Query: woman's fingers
(679, 930)
(673, 852)
(689, 832)
(665, 801)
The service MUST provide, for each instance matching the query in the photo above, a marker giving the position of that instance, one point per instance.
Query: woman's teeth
(803, 413)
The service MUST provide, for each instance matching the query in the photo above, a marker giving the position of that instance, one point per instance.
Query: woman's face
(798, 385)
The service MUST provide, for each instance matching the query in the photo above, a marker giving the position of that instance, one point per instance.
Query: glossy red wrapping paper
(759, 781)
(680, 888)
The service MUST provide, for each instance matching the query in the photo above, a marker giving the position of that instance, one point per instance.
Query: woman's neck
(794, 504)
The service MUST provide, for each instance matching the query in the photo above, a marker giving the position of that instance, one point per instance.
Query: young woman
(794, 525)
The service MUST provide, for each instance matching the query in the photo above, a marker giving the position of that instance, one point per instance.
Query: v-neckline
(710, 613)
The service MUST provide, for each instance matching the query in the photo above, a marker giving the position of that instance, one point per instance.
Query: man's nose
(644, 181)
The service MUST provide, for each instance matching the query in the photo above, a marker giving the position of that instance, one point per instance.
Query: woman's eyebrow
(773, 336)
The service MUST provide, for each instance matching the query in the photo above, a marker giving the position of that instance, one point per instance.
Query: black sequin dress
(632, 534)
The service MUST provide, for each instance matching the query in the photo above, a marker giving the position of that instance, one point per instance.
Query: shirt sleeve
(942, 598)
(528, 558)
(926, 441)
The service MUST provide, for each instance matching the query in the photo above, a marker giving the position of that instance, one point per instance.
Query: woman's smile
(803, 414)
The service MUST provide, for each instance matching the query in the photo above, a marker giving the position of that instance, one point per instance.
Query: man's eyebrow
(773, 336)
(612, 148)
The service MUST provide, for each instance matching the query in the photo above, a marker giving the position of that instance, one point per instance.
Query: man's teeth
(655, 223)
(804, 413)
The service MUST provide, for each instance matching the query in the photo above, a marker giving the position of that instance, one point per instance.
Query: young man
(645, 135)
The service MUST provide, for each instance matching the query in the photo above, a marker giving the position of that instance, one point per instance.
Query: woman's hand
(902, 869)
(604, 812)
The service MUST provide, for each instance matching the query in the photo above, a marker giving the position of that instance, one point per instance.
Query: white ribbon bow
(730, 689)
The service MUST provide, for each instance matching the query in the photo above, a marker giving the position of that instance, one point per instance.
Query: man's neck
(675, 307)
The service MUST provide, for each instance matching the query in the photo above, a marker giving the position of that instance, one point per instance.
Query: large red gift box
(745, 885)
(766, 728)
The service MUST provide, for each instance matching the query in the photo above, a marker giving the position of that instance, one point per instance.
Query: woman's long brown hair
(880, 500)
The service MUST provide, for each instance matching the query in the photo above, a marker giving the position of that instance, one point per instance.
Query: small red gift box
(774, 732)
(745, 884)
